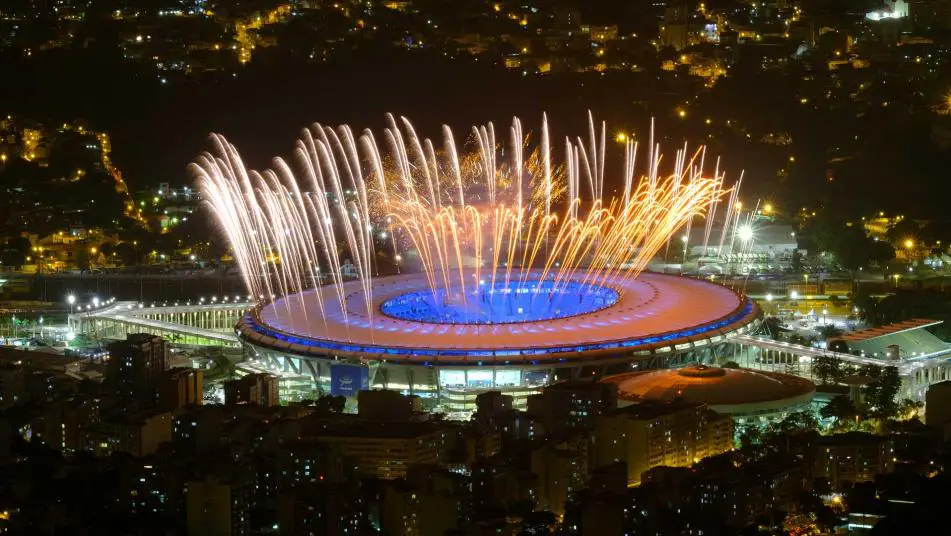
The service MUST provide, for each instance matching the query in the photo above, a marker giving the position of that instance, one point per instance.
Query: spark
(497, 214)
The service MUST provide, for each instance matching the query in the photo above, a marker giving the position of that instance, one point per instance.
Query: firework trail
(467, 220)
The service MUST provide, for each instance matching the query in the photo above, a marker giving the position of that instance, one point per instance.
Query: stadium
(513, 271)
(451, 352)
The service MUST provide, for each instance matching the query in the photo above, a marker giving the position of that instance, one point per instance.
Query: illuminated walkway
(197, 325)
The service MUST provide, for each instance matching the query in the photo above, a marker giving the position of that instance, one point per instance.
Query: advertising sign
(348, 380)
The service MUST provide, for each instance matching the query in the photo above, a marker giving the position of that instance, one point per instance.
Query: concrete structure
(649, 434)
(751, 398)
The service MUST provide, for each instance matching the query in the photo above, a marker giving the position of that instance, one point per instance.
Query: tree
(903, 230)
(774, 327)
(839, 408)
(15, 251)
(107, 249)
(796, 262)
(751, 437)
(796, 423)
(827, 369)
(828, 331)
(880, 393)
(910, 409)
(82, 258)
(128, 254)
(331, 404)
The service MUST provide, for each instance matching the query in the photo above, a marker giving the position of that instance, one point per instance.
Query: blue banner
(348, 380)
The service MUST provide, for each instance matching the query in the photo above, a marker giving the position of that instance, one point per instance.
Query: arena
(512, 337)
(751, 397)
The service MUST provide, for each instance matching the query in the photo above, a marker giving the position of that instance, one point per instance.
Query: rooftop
(890, 329)
(912, 339)
(713, 386)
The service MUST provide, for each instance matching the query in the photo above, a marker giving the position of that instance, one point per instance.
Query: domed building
(751, 397)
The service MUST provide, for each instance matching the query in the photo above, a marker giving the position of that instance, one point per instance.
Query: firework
(499, 218)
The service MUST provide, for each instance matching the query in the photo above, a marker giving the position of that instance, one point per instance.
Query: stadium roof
(911, 344)
(711, 385)
(890, 329)
(655, 312)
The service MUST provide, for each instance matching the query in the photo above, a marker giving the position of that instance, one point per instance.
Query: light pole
(14, 326)
(683, 264)
(71, 300)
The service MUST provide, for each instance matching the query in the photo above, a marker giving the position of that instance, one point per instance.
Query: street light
(745, 233)
(71, 300)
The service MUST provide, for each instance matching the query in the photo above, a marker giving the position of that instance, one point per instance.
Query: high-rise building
(490, 407)
(322, 508)
(385, 450)
(676, 27)
(135, 367)
(938, 405)
(12, 385)
(219, 505)
(200, 429)
(179, 388)
(383, 405)
(572, 405)
(562, 470)
(261, 389)
(137, 434)
(407, 511)
(649, 434)
(852, 457)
